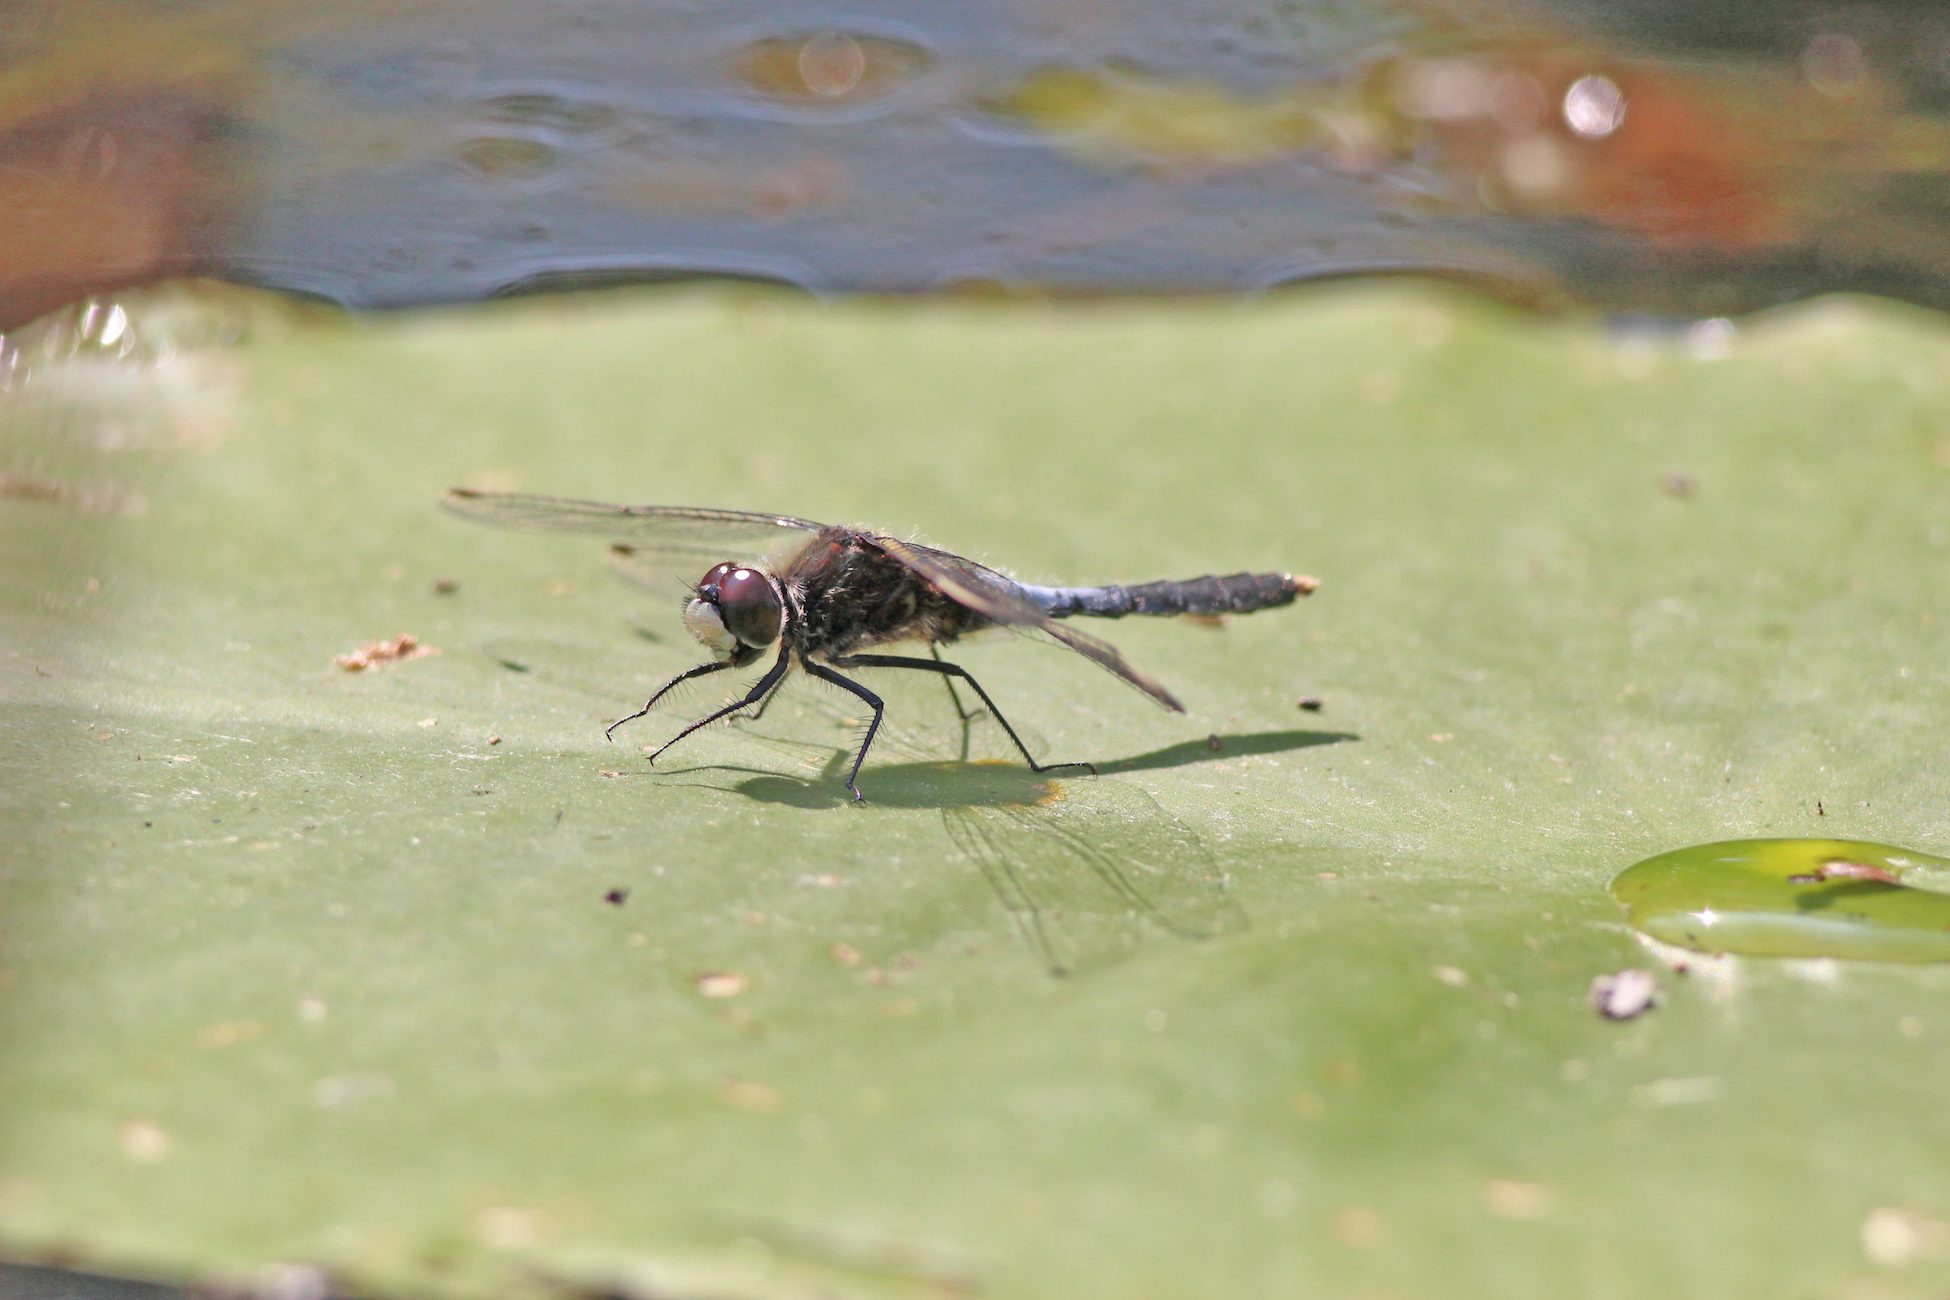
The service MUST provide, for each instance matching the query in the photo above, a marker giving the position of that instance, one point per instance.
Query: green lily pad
(1791, 898)
(406, 975)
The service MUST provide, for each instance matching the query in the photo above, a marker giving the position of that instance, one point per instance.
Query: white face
(707, 625)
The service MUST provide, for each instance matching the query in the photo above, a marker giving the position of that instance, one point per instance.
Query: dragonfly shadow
(941, 785)
(1217, 749)
(945, 784)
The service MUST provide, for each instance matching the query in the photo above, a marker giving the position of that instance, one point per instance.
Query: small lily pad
(1791, 898)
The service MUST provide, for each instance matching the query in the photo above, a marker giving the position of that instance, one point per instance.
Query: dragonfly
(825, 598)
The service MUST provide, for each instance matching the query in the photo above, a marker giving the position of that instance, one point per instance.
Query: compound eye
(749, 604)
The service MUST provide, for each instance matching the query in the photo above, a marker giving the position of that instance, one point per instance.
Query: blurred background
(1639, 155)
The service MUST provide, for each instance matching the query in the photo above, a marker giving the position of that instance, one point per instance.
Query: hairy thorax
(852, 595)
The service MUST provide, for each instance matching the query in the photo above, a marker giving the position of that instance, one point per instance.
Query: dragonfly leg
(947, 669)
(757, 693)
(759, 712)
(874, 702)
(716, 665)
(948, 680)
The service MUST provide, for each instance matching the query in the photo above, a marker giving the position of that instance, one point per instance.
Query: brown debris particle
(88, 501)
(445, 586)
(1311, 703)
(1843, 869)
(616, 897)
(398, 650)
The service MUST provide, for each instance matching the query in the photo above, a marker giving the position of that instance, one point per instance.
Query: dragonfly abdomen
(1234, 593)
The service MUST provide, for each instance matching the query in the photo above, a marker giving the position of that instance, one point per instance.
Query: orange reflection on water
(1733, 161)
(833, 67)
(105, 163)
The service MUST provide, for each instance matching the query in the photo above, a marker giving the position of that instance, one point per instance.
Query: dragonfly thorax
(736, 610)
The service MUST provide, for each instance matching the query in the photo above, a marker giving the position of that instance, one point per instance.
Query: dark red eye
(748, 603)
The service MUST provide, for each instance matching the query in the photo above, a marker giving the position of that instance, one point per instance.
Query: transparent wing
(672, 577)
(1093, 869)
(654, 533)
(998, 597)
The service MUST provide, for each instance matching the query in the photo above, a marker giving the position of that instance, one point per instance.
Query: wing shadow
(1187, 752)
(1088, 868)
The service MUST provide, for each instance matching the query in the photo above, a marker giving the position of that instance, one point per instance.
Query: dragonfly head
(735, 612)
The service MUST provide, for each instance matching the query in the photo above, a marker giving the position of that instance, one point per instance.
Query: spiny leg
(873, 701)
(757, 693)
(759, 712)
(956, 670)
(716, 665)
(948, 680)
(966, 715)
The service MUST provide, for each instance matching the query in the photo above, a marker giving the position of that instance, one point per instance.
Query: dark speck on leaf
(445, 586)
(1311, 703)
(616, 897)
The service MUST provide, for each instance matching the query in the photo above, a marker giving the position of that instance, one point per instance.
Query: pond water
(1642, 156)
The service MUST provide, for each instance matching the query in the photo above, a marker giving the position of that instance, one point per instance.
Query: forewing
(997, 597)
(676, 532)
(666, 576)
